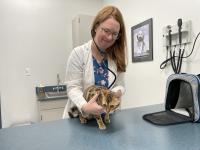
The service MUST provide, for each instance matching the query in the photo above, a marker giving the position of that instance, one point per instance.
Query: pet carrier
(182, 100)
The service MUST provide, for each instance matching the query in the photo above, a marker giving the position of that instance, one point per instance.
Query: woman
(87, 64)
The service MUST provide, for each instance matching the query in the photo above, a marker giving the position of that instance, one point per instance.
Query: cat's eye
(112, 106)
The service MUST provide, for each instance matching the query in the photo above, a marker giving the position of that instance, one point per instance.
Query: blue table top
(127, 131)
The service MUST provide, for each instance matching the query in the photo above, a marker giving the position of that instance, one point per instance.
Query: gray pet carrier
(182, 100)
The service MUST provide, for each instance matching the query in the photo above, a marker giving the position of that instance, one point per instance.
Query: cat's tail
(74, 112)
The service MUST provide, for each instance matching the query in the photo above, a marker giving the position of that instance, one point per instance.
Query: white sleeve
(74, 78)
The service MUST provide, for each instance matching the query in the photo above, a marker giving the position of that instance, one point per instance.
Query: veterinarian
(88, 64)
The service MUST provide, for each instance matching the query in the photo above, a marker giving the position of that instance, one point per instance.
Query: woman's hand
(92, 107)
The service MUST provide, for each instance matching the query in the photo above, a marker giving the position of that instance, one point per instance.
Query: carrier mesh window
(185, 99)
(179, 96)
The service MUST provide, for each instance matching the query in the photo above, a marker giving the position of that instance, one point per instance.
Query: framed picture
(142, 41)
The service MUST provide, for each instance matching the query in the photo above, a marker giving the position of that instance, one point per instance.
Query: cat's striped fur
(106, 99)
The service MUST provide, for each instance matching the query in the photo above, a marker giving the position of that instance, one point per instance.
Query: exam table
(127, 131)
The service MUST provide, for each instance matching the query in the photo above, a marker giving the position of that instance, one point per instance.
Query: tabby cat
(106, 99)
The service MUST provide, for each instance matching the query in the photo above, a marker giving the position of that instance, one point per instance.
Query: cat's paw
(102, 127)
(83, 120)
(106, 120)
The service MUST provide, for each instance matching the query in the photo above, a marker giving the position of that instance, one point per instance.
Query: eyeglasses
(108, 32)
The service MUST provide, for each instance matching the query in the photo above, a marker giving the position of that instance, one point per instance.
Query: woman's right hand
(92, 107)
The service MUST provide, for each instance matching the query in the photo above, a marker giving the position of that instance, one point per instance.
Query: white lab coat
(80, 75)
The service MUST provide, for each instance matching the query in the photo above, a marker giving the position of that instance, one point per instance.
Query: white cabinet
(51, 109)
(51, 101)
(81, 29)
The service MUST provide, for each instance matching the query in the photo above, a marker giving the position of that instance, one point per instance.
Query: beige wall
(145, 82)
(35, 34)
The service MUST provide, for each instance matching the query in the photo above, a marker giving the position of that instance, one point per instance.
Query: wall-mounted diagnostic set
(175, 39)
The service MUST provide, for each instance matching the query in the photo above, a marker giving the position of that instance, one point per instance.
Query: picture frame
(142, 41)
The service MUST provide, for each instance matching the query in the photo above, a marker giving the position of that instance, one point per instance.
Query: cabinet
(51, 109)
(81, 29)
(51, 101)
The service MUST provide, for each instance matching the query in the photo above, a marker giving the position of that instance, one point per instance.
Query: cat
(106, 99)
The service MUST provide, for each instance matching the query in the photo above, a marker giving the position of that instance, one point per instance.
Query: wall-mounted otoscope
(180, 33)
(170, 35)
(181, 52)
(176, 36)
(179, 23)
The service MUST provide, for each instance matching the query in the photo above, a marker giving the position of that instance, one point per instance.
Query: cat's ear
(117, 94)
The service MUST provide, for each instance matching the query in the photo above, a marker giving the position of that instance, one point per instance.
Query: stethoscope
(103, 53)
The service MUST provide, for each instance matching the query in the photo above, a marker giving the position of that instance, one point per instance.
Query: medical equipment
(177, 36)
(176, 61)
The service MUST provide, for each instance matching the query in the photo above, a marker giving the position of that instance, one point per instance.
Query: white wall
(36, 34)
(145, 82)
